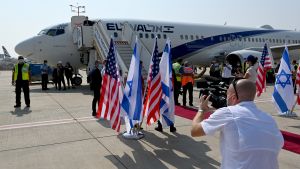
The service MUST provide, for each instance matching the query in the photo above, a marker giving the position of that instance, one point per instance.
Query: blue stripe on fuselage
(190, 47)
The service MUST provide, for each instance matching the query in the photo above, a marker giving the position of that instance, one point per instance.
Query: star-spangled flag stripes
(265, 64)
(154, 89)
(109, 104)
(283, 95)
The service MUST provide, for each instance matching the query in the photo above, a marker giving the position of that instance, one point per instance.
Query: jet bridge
(93, 40)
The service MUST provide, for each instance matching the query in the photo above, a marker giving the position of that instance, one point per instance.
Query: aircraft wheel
(77, 80)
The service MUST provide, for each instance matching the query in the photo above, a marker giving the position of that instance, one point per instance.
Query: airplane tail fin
(6, 54)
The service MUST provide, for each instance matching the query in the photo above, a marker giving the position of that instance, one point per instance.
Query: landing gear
(77, 79)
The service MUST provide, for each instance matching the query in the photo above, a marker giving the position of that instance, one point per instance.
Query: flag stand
(132, 133)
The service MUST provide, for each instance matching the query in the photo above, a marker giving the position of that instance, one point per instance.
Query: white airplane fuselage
(197, 43)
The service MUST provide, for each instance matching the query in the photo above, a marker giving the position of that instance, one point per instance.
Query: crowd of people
(242, 144)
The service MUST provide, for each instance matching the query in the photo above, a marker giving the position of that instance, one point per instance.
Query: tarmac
(58, 132)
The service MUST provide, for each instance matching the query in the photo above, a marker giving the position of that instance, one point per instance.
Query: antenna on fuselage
(78, 9)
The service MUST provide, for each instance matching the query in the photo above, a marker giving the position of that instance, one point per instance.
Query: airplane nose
(24, 48)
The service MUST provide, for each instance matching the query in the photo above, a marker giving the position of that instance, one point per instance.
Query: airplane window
(279, 40)
(240, 38)
(60, 32)
(186, 37)
(202, 37)
(43, 32)
(212, 38)
(283, 40)
(221, 38)
(259, 39)
(165, 36)
(152, 36)
(197, 37)
(270, 40)
(256, 40)
(141, 35)
(249, 40)
(51, 32)
(146, 35)
(273, 40)
(181, 37)
(115, 34)
(192, 37)
(158, 36)
(252, 39)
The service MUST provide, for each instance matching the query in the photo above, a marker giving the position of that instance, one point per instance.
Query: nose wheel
(77, 79)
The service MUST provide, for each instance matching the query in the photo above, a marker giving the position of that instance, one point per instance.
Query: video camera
(216, 89)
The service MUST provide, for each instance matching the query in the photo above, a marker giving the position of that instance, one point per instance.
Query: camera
(217, 91)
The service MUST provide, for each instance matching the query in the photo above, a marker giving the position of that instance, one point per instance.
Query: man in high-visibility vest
(177, 80)
(21, 79)
(187, 81)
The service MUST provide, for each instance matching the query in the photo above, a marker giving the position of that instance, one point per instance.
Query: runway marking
(46, 123)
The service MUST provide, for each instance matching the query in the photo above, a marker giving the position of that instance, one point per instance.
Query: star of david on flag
(283, 95)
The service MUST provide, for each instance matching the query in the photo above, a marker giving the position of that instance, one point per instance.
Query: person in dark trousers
(21, 79)
(177, 80)
(96, 80)
(44, 72)
(60, 75)
(187, 81)
(55, 76)
(69, 74)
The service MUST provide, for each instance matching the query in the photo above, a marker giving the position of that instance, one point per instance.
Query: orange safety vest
(187, 76)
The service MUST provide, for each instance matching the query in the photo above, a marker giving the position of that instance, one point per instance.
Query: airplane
(5, 52)
(198, 43)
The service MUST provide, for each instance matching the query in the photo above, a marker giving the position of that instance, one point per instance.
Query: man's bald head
(246, 90)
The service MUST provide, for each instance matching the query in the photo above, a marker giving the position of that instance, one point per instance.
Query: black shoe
(191, 104)
(17, 106)
(177, 104)
(172, 128)
(159, 127)
(184, 105)
(94, 114)
(28, 105)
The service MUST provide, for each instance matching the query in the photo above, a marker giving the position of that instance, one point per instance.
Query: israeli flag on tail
(167, 106)
(132, 100)
(283, 96)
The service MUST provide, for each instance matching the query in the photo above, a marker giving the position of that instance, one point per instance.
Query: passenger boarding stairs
(93, 43)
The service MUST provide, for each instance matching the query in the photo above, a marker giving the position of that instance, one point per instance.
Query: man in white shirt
(249, 138)
(226, 73)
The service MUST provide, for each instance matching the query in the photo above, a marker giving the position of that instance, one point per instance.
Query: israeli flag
(283, 96)
(167, 106)
(132, 99)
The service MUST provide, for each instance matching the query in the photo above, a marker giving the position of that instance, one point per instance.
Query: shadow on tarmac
(178, 150)
(21, 112)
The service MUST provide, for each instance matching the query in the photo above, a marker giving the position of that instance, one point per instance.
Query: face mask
(99, 66)
(21, 61)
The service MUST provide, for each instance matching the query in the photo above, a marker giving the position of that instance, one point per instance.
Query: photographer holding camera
(249, 138)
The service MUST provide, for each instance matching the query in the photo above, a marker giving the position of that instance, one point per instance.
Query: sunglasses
(234, 82)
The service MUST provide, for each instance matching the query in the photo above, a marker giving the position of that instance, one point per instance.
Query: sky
(24, 19)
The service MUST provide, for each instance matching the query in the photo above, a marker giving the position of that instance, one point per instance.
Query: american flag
(265, 64)
(109, 104)
(298, 84)
(154, 91)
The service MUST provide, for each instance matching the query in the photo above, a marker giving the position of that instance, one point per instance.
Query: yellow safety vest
(176, 67)
(25, 72)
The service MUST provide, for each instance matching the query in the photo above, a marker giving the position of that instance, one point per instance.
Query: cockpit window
(43, 32)
(52, 32)
(60, 31)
